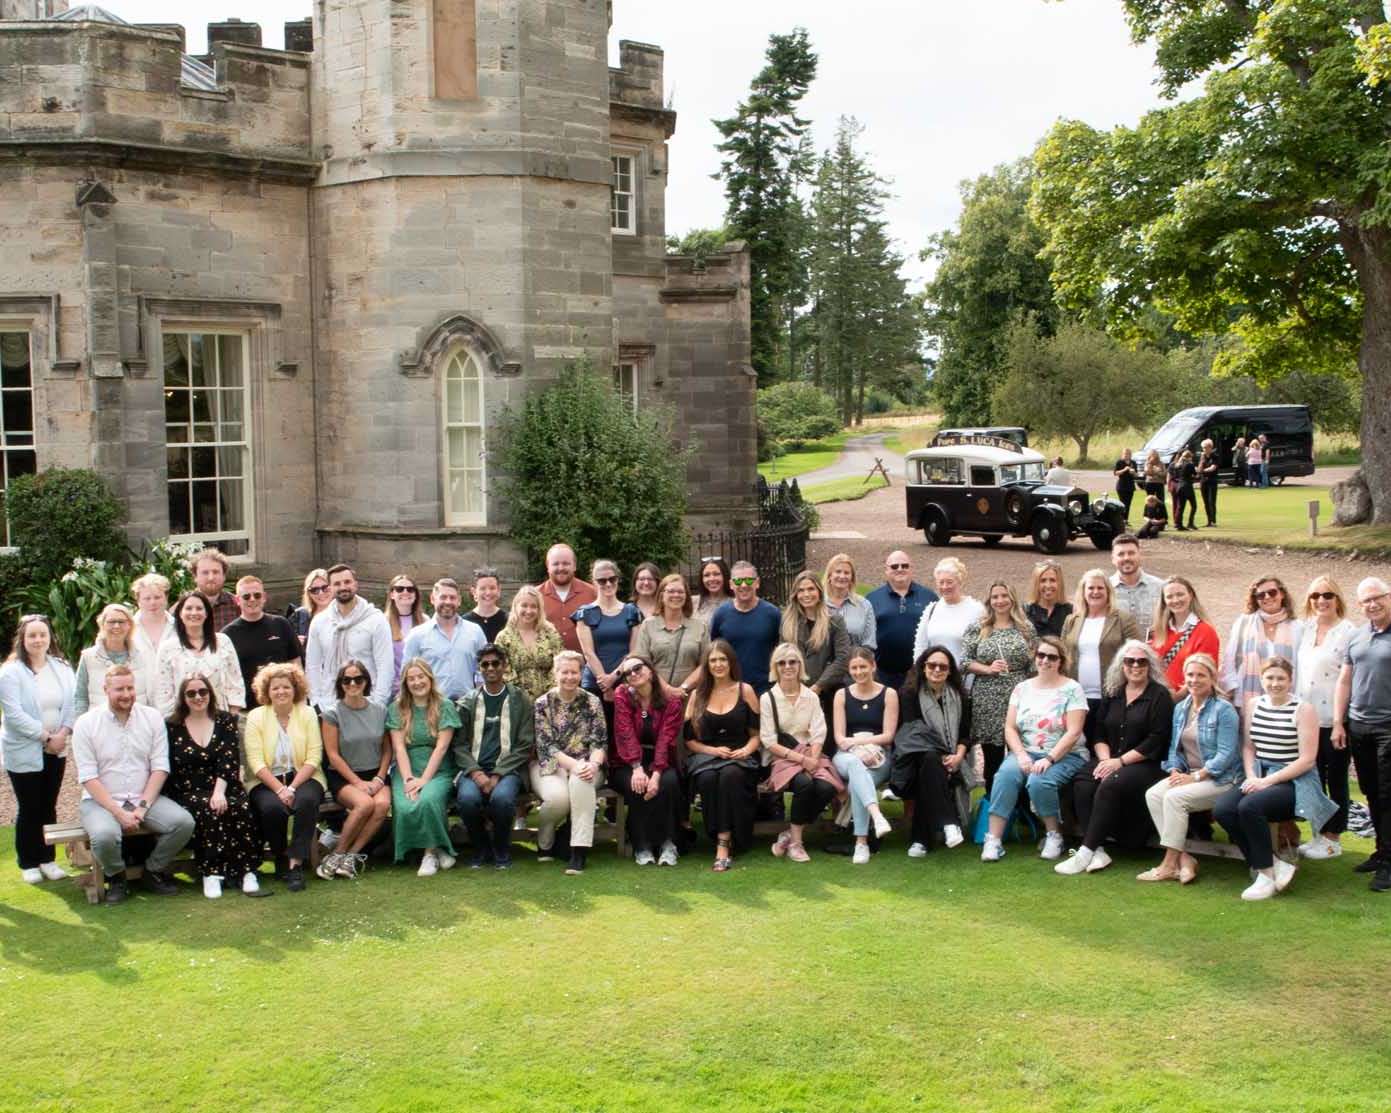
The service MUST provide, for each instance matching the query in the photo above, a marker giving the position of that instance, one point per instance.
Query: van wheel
(935, 530)
(1050, 535)
(993, 539)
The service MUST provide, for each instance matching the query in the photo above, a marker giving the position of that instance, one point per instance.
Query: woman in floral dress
(998, 652)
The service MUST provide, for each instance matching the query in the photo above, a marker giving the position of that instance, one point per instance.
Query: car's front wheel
(1049, 533)
(935, 530)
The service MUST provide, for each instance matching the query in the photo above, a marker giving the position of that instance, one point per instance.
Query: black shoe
(577, 857)
(160, 883)
(1371, 865)
(116, 890)
(502, 860)
(282, 868)
(1382, 881)
(294, 879)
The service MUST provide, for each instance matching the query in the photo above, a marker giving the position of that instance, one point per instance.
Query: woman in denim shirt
(1204, 762)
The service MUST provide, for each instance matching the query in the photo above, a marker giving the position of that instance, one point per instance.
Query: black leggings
(1333, 776)
(1246, 817)
(810, 796)
(652, 822)
(1209, 490)
(36, 795)
(1105, 808)
(728, 797)
(1126, 496)
(273, 818)
(1183, 497)
(994, 756)
(933, 806)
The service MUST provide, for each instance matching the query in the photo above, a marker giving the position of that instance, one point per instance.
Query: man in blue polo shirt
(1362, 718)
(750, 624)
(898, 605)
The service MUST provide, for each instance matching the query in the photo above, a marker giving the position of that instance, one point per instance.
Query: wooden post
(1313, 517)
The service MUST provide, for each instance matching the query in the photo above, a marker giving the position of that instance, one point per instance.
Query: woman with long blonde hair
(530, 642)
(422, 725)
(998, 651)
(821, 637)
(315, 597)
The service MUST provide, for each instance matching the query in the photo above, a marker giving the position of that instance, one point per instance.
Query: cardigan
(22, 728)
(825, 666)
(627, 725)
(218, 663)
(263, 732)
(1118, 629)
(517, 733)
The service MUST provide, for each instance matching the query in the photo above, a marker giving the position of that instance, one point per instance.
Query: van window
(945, 471)
(982, 476)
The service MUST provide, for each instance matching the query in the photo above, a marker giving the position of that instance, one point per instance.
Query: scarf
(944, 718)
(338, 654)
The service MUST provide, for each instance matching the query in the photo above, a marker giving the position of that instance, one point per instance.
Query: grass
(936, 984)
(843, 490)
(811, 457)
(1330, 449)
(905, 439)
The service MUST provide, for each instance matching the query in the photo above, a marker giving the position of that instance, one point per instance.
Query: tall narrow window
(456, 49)
(622, 215)
(206, 402)
(625, 380)
(463, 442)
(16, 418)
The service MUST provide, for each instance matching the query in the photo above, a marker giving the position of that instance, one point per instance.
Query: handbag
(784, 739)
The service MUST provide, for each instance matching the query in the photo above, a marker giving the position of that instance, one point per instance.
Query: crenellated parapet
(636, 87)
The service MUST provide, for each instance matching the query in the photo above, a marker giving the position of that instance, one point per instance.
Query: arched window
(463, 439)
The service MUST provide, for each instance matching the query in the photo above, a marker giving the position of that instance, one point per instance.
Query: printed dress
(990, 693)
(226, 845)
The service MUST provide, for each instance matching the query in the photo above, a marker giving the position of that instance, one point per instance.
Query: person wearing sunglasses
(898, 604)
(1362, 717)
(205, 778)
(607, 630)
(493, 747)
(1323, 647)
(1132, 739)
(1043, 731)
(314, 598)
(750, 624)
(930, 770)
(259, 638)
(404, 613)
(357, 749)
(115, 645)
(642, 762)
(1267, 629)
(350, 629)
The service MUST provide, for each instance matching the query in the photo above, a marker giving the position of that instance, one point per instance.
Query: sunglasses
(1134, 662)
(196, 693)
(899, 567)
(249, 595)
(1047, 657)
(490, 664)
(937, 666)
(606, 579)
(320, 590)
(355, 679)
(1269, 593)
(742, 581)
(1326, 596)
(631, 672)
(789, 664)
(403, 589)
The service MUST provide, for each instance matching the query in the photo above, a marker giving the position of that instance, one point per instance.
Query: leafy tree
(1258, 208)
(793, 414)
(577, 465)
(1076, 383)
(765, 155)
(699, 243)
(61, 514)
(988, 274)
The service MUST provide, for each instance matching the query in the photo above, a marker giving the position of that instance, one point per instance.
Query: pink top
(1253, 452)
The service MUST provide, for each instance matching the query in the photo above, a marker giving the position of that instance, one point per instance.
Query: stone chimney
(234, 31)
(299, 36)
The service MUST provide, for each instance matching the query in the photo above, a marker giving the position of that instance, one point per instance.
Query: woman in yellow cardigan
(283, 753)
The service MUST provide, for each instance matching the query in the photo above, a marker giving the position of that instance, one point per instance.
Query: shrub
(575, 464)
(62, 514)
(794, 414)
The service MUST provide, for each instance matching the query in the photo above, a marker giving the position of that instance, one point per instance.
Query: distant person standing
(1239, 461)
(1058, 475)
(1184, 472)
(1155, 475)
(1255, 452)
(1208, 469)
(1126, 475)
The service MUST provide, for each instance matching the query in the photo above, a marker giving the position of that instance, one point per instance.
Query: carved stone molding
(262, 319)
(39, 314)
(456, 328)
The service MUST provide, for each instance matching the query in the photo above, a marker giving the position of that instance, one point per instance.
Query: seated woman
(930, 770)
(722, 743)
(205, 777)
(283, 753)
(1279, 753)
(1043, 730)
(646, 727)
(358, 750)
(569, 767)
(1154, 515)
(422, 724)
(197, 647)
(864, 719)
(1135, 723)
(1204, 761)
(792, 732)
(115, 645)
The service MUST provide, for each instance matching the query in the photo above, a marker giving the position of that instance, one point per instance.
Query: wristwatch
(1197, 774)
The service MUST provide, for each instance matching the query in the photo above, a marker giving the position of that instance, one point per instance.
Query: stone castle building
(279, 297)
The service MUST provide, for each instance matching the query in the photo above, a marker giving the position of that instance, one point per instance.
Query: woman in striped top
(1280, 745)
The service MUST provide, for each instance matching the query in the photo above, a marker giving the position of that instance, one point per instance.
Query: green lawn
(938, 984)
(843, 490)
(812, 457)
(1278, 516)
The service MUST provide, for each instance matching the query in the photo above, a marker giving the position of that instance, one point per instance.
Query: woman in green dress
(422, 724)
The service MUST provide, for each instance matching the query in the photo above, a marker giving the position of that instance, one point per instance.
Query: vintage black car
(991, 487)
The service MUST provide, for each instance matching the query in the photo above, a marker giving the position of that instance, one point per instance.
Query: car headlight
(1099, 507)
(1074, 509)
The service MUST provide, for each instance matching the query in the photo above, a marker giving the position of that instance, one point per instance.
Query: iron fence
(776, 545)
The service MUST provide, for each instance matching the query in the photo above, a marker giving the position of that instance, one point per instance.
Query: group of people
(1183, 479)
(218, 723)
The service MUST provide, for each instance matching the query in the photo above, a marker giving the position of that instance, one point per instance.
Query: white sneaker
(519, 824)
(1320, 847)
(1077, 863)
(668, 856)
(882, 826)
(1052, 846)
(212, 887)
(1284, 874)
(1100, 860)
(52, 871)
(31, 876)
(429, 865)
(917, 850)
(952, 833)
(328, 839)
(643, 858)
(888, 794)
(329, 866)
(1263, 888)
(445, 859)
(992, 851)
(861, 855)
(249, 883)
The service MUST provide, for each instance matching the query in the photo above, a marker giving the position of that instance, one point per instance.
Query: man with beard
(562, 594)
(449, 644)
(350, 629)
(1136, 591)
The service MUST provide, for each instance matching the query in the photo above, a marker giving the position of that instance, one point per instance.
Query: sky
(945, 89)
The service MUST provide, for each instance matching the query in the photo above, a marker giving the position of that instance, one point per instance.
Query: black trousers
(1209, 490)
(651, 822)
(1246, 817)
(810, 796)
(1333, 776)
(1115, 807)
(1184, 498)
(273, 818)
(994, 756)
(1371, 756)
(933, 806)
(728, 797)
(36, 797)
(1126, 494)
(1152, 528)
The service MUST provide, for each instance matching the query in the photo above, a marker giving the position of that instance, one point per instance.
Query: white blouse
(220, 666)
(1318, 666)
(944, 624)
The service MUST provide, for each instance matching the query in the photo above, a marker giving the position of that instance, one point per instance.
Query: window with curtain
(464, 442)
(207, 442)
(17, 453)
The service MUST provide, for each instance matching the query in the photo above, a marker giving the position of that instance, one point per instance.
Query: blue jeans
(1265, 475)
(500, 806)
(1042, 787)
(863, 785)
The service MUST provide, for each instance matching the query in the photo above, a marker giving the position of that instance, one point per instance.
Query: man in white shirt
(450, 644)
(122, 754)
(349, 629)
(1137, 592)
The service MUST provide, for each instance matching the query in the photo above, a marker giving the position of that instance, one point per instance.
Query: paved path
(855, 460)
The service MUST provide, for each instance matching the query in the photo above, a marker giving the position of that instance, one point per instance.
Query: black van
(1288, 429)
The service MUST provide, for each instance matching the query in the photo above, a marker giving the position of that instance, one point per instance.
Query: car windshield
(1016, 473)
(1175, 433)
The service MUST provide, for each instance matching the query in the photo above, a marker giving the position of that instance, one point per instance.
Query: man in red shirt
(563, 593)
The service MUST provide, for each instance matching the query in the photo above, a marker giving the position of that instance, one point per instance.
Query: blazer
(517, 741)
(1119, 628)
(627, 721)
(262, 733)
(22, 726)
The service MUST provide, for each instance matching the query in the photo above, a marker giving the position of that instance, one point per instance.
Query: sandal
(1158, 874)
(1187, 872)
(721, 865)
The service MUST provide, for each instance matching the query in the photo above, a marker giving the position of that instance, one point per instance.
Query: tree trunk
(1368, 250)
(1083, 443)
